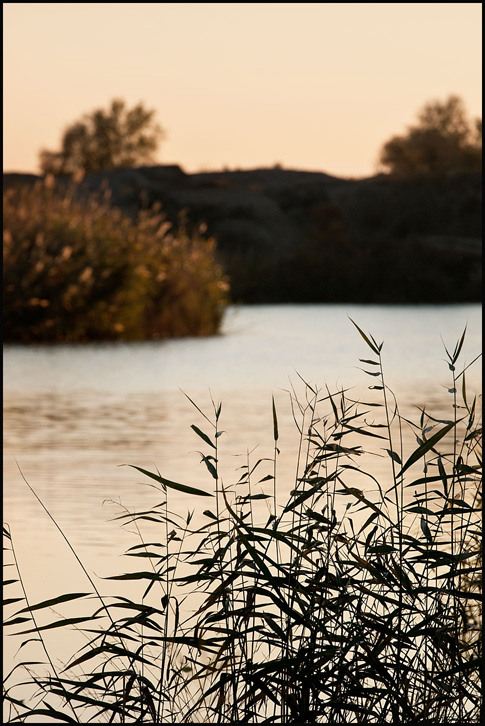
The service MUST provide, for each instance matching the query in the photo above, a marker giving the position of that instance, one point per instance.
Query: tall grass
(77, 269)
(355, 600)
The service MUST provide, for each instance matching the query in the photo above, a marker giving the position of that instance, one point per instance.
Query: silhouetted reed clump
(78, 269)
(356, 600)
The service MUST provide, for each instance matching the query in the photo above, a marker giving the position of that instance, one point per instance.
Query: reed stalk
(356, 601)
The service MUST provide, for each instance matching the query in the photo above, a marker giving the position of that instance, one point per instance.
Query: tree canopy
(106, 139)
(444, 140)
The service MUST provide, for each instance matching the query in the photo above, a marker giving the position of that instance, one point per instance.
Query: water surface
(74, 413)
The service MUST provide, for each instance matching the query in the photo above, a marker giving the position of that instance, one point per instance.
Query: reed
(77, 269)
(356, 600)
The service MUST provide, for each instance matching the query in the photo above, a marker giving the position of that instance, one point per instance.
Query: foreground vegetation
(356, 600)
(77, 270)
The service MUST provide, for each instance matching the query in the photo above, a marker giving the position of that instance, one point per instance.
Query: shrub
(311, 612)
(77, 269)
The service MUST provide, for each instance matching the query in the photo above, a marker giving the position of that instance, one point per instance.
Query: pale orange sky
(317, 86)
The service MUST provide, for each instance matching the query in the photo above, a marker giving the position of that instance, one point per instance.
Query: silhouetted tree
(444, 140)
(106, 139)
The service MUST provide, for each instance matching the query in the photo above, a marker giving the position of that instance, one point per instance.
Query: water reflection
(73, 414)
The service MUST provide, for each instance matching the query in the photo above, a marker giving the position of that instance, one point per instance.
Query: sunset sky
(317, 86)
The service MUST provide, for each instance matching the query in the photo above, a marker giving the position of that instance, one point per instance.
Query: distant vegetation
(286, 236)
(444, 140)
(79, 270)
(350, 599)
(106, 139)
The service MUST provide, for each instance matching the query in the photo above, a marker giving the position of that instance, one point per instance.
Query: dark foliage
(349, 602)
(82, 270)
(105, 139)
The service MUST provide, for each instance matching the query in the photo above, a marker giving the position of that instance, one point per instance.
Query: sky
(314, 86)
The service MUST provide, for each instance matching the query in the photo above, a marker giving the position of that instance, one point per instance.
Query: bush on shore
(78, 270)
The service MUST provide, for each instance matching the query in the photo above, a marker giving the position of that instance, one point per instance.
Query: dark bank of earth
(296, 236)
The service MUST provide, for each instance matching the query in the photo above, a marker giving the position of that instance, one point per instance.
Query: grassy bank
(81, 270)
(356, 600)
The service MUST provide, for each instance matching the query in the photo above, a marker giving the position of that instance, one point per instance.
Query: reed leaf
(171, 484)
(203, 436)
(426, 446)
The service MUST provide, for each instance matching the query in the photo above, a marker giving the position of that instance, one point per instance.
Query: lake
(74, 413)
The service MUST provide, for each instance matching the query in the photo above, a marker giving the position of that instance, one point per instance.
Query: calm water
(73, 414)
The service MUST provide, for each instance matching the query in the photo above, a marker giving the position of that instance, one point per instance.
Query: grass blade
(275, 422)
(426, 446)
(373, 347)
(171, 484)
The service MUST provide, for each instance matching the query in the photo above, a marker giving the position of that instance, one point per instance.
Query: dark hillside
(296, 236)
